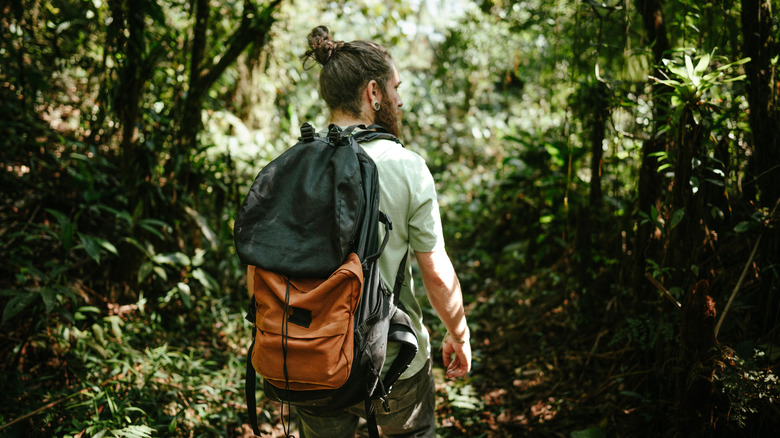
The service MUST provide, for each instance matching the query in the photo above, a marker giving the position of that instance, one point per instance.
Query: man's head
(358, 79)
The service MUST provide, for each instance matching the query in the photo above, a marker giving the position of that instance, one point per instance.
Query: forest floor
(538, 373)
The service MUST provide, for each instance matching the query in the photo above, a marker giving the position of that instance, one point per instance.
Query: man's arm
(444, 293)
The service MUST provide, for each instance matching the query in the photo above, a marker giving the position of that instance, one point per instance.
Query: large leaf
(66, 228)
(18, 303)
(94, 244)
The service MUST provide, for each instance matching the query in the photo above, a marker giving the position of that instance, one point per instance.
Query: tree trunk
(696, 364)
(253, 29)
(684, 233)
(762, 92)
(597, 99)
(649, 187)
(191, 113)
(131, 82)
(598, 125)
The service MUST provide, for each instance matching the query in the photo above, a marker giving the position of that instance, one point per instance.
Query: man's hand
(456, 356)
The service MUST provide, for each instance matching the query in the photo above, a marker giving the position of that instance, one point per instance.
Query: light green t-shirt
(408, 196)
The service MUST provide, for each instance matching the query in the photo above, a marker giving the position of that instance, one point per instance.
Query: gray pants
(412, 412)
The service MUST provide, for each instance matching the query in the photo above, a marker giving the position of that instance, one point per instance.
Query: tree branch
(253, 28)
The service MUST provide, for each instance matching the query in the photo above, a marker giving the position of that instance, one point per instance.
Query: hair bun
(322, 45)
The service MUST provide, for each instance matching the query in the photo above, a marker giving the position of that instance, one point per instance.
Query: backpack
(321, 313)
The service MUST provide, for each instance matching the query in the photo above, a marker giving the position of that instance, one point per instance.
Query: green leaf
(66, 228)
(710, 76)
(108, 246)
(91, 244)
(198, 258)
(689, 67)
(133, 432)
(184, 293)
(744, 226)
(734, 79)
(704, 62)
(669, 82)
(593, 432)
(205, 279)
(653, 213)
(208, 233)
(148, 225)
(174, 258)
(119, 214)
(49, 297)
(161, 272)
(60, 216)
(696, 116)
(677, 217)
(18, 303)
(678, 71)
(80, 313)
(66, 235)
(144, 270)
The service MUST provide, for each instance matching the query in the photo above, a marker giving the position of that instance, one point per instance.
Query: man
(359, 83)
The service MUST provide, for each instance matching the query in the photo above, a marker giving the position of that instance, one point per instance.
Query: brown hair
(347, 68)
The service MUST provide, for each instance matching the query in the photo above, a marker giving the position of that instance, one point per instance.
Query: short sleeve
(425, 230)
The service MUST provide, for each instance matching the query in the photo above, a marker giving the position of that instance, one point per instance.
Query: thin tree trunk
(253, 29)
(598, 103)
(598, 125)
(697, 364)
(191, 118)
(684, 237)
(763, 93)
(649, 187)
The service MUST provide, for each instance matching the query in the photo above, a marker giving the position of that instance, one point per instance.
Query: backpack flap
(313, 320)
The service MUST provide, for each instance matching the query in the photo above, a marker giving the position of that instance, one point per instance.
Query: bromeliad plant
(690, 84)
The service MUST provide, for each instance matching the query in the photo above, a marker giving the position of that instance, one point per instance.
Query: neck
(341, 119)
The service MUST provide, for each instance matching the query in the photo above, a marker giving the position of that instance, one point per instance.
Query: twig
(24, 228)
(663, 290)
(43, 408)
(595, 345)
(736, 288)
(742, 276)
(56, 402)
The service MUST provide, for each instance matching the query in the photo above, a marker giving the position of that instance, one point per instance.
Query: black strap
(399, 280)
(249, 385)
(285, 336)
(385, 219)
(362, 133)
(374, 132)
(373, 429)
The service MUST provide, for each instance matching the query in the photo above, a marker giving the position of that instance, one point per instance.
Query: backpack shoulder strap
(251, 377)
(400, 331)
(374, 132)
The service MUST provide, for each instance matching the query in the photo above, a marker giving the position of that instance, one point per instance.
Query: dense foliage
(609, 175)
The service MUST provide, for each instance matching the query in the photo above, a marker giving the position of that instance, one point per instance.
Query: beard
(389, 118)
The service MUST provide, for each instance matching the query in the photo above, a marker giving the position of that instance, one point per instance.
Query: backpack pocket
(305, 327)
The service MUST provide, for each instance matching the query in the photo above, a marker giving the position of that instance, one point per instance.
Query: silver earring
(377, 106)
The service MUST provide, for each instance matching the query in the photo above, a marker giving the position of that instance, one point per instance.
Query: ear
(373, 92)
